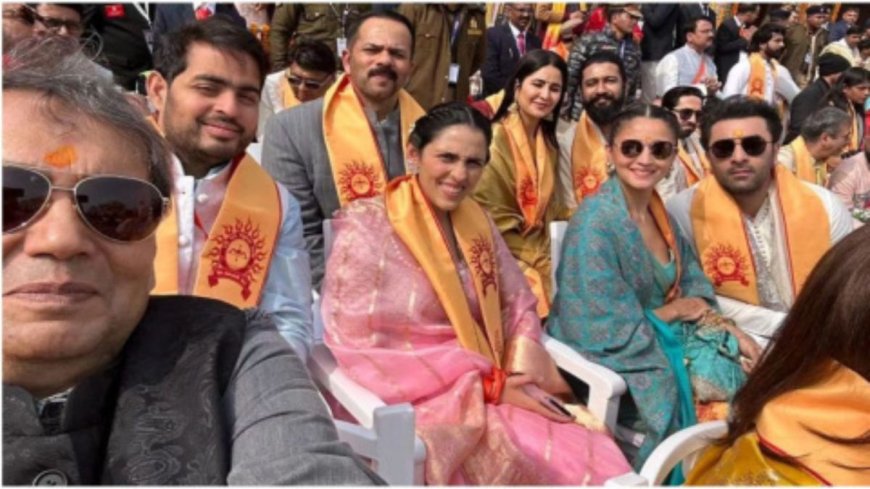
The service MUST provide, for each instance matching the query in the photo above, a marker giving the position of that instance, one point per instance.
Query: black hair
(691, 25)
(442, 116)
(353, 30)
(780, 14)
(218, 31)
(313, 55)
(530, 63)
(637, 110)
(79, 8)
(852, 77)
(745, 8)
(740, 107)
(672, 97)
(855, 29)
(864, 44)
(764, 34)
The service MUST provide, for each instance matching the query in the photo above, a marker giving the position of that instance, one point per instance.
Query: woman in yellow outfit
(803, 417)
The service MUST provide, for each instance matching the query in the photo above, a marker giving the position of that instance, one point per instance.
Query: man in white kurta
(690, 65)
(761, 194)
(778, 83)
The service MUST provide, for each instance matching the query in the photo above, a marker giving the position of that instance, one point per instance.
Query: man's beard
(603, 114)
(774, 54)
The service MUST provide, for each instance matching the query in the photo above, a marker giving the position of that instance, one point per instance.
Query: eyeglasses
(310, 83)
(686, 114)
(118, 208)
(55, 25)
(660, 150)
(752, 146)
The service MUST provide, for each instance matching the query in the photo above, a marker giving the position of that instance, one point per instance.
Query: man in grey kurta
(294, 149)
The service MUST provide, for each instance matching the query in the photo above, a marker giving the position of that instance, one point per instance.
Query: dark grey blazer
(295, 154)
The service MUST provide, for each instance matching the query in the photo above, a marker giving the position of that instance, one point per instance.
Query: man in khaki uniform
(804, 43)
(324, 22)
(449, 47)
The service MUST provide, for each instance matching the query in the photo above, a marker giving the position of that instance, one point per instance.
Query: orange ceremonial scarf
(803, 163)
(588, 159)
(854, 138)
(357, 163)
(838, 406)
(287, 96)
(534, 171)
(234, 262)
(723, 247)
(692, 176)
(758, 76)
(660, 216)
(413, 218)
(552, 36)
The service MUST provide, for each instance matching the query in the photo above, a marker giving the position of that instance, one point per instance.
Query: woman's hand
(522, 391)
(749, 348)
(683, 309)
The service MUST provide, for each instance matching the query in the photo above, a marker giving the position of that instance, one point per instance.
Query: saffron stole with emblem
(535, 181)
(234, 262)
(412, 218)
(723, 246)
(358, 167)
(588, 159)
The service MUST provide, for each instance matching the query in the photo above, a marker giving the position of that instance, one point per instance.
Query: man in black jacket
(659, 26)
(506, 44)
(733, 37)
(123, 28)
(689, 11)
(812, 98)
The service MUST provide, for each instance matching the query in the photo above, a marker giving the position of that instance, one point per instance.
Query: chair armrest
(605, 386)
(631, 479)
(680, 447)
(359, 401)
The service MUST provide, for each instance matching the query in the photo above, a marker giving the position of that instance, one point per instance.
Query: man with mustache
(583, 165)
(825, 135)
(691, 164)
(758, 230)
(233, 234)
(760, 75)
(350, 143)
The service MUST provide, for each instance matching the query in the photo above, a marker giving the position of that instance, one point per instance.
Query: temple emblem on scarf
(528, 193)
(589, 180)
(237, 254)
(724, 263)
(483, 261)
(358, 181)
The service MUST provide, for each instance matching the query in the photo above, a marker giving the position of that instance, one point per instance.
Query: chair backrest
(683, 446)
(557, 236)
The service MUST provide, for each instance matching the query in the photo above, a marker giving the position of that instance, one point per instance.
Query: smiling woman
(423, 303)
(518, 185)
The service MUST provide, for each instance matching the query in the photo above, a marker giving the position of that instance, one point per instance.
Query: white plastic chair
(683, 446)
(387, 433)
(557, 237)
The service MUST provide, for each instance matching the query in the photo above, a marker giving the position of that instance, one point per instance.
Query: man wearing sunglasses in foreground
(758, 229)
(233, 233)
(691, 165)
(102, 383)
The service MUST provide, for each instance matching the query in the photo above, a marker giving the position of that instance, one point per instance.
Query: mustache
(226, 121)
(603, 96)
(383, 71)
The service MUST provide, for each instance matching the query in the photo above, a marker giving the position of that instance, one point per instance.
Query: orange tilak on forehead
(61, 157)
(737, 133)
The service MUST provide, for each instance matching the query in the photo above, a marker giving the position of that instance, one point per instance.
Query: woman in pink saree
(424, 303)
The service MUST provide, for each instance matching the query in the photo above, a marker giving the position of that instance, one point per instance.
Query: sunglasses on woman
(752, 146)
(660, 150)
(120, 209)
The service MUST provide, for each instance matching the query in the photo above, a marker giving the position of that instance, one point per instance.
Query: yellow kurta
(497, 193)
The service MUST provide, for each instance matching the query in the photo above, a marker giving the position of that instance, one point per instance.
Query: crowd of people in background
(242, 173)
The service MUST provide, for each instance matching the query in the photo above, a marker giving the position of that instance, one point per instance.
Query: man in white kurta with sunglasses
(102, 383)
(758, 230)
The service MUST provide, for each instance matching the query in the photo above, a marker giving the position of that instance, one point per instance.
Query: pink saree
(388, 331)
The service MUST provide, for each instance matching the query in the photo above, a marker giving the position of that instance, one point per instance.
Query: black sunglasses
(632, 148)
(118, 208)
(686, 114)
(752, 146)
(54, 24)
(309, 83)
